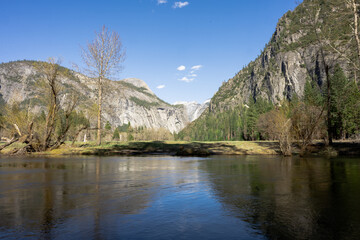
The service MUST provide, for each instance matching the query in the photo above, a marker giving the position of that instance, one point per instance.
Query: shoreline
(181, 148)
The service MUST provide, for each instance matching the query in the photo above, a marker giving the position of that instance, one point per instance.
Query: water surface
(246, 197)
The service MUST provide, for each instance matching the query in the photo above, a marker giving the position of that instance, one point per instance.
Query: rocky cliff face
(292, 56)
(127, 101)
(194, 109)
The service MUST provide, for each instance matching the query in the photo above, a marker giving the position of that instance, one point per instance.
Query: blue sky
(183, 50)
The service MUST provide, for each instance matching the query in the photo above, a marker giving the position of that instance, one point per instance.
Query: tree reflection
(280, 198)
(38, 195)
(291, 198)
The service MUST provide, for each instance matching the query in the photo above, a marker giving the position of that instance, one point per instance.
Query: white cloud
(185, 79)
(180, 4)
(197, 67)
(181, 68)
(191, 74)
(161, 1)
(160, 87)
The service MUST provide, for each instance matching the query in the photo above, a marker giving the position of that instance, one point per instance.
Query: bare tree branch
(103, 57)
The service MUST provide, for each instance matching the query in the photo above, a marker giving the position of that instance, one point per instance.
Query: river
(161, 197)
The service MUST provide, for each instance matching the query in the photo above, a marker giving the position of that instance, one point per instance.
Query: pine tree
(116, 135)
(108, 126)
(312, 94)
(344, 105)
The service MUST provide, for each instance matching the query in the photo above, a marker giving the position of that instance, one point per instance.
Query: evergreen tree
(108, 126)
(344, 105)
(124, 127)
(116, 135)
(239, 123)
(312, 94)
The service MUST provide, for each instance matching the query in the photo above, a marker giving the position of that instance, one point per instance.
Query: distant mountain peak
(194, 109)
(138, 83)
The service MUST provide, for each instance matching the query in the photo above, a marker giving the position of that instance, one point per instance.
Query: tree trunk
(328, 99)
(17, 129)
(329, 127)
(356, 32)
(77, 134)
(99, 113)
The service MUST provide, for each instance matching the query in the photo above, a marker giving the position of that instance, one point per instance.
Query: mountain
(292, 55)
(194, 109)
(314, 33)
(126, 101)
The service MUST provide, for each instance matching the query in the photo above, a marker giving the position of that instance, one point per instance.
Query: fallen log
(9, 143)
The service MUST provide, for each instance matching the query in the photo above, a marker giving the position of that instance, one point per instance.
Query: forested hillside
(315, 47)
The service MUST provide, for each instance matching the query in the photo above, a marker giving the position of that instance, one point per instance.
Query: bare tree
(307, 124)
(47, 132)
(51, 73)
(103, 58)
(277, 125)
(15, 123)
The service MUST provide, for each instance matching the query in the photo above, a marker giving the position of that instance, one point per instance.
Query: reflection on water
(183, 198)
(291, 198)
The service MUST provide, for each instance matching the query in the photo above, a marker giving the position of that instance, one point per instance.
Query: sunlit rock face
(194, 109)
(126, 101)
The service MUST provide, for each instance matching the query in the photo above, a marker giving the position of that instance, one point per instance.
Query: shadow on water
(291, 198)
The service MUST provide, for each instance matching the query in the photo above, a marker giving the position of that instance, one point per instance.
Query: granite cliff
(292, 56)
(194, 109)
(126, 101)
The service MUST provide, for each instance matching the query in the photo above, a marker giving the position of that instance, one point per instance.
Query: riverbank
(177, 148)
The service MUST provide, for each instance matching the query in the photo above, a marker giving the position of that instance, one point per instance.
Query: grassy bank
(192, 148)
(167, 147)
